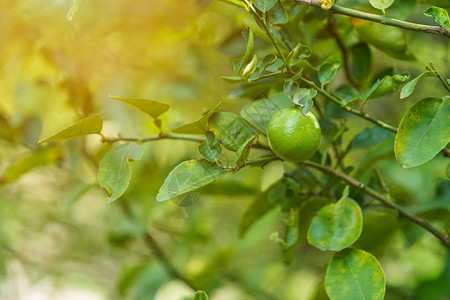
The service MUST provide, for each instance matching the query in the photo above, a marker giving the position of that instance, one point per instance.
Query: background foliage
(58, 237)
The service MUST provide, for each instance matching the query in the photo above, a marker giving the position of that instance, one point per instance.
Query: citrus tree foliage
(377, 185)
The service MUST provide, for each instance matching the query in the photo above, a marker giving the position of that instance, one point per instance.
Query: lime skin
(294, 136)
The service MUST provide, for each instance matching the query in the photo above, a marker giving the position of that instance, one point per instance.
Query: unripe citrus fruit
(292, 135)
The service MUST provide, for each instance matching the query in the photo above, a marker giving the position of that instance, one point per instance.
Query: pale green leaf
(303, 97)
(423, 132)
(114, 172)
(230, 129)
(188, 176)
(259, 112)
(408, 89)
(210, 148)
(381, 4)
(354, 274)
(244, 152)
(152, 108)
(199, 126)
(89, 125)
(200, 295)
(336, 226)
(234, 2)
(40, 157)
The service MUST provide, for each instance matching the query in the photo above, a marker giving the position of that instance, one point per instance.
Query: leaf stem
(436, 72)
(382, 19)
(384, 200)
(347, 108)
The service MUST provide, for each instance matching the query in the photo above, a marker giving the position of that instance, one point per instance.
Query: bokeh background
(58, 239)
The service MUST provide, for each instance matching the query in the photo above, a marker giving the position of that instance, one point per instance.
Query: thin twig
(384, 200)
(382, 19)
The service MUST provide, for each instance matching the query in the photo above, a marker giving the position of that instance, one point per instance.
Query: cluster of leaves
(322, 210)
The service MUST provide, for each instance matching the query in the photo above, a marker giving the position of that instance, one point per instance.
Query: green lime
(294, 136)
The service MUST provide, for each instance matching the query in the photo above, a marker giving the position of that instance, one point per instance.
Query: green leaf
(360, 61)
(370, 137)
(114, 172)
(354, 274)
(327, 71)
(348, 93)
(197, 127)
(232, 79)
(390, 40)
(381, 4)
(210, 149)
(262, 205)
(336, 226)
(439, 15)
(264, 5)
(250, 67)
(267, 61)
(234, 2)
(387, 85)
(89, 125)
(244, 152)
(303, 97)
(230, 129)
(408, 89)
(290, 87)
(152, 108)
(278, 14)
(297, 54)
(40, 157)
(188, 176)
(259, 112)
(423, 132)
(249, 37)
(200, 295)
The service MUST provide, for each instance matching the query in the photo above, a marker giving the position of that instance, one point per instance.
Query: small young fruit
(292, 135)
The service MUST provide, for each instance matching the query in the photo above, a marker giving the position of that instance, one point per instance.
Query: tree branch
(384, 200)
(382, 19)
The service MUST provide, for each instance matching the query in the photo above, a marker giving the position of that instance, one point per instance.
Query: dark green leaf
(290, 88)
(188, 176)
(259, 112)
(355, 274)
(327, 71)
(348, 93)
(423, 132)
(439, 15)
(267, 61)
(197, 127)
(89, 125)
(264, 5)
(336, 226)
(114, 172)
(210, 149)
(387, 85)
(152, 108)
(230, 129)
(361, 61)
(370, 137)
(297, 54)
(408, 89)
(278, 14)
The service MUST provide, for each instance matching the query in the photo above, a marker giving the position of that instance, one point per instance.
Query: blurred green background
(58, 239)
